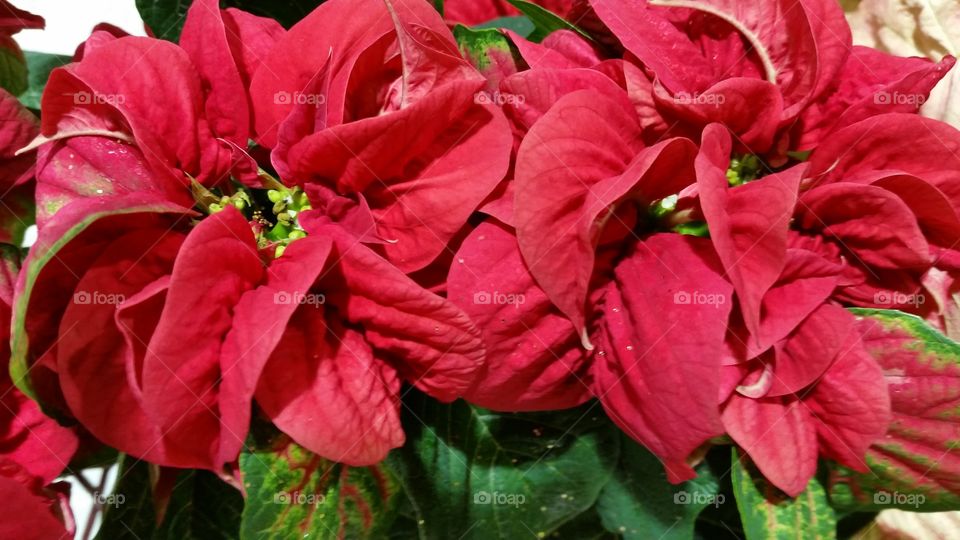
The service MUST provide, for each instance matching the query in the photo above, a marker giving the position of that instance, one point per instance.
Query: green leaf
(545, 21)
(915, 466)
(639, 502)
(439, 5)
(13, 69)
(165, 17)
(489, 50)
(201, 507)
(519, 24)
(39, 66)
(768, 514)
(472, 473)
(293, 493)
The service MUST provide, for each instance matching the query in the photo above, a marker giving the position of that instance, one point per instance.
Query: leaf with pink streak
(657, 365)
(916, 459)
(292, 492)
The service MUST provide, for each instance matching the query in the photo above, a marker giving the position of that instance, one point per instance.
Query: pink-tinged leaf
(30, 511)
(206, 40)
(862, 152)
(800, 44)
(251, 39)
(852, 404)
(811, 349)
(562, 49)
(574, 167)
(217, 263)
(659, 376)
(348, 28)
(534, 92)
(18, 127)
(871, 83)
(65, 249)
(30, 438)
(250, 343)
(97, 167)
(103, 337)
(12, 19)
(337, 399)
(750, 108)
(344, 502)
(666, 50)
(534, 359)
(430, 341)
(430, 60)
(806, 282)
(779, 435)
(748, 223)
(916, 457)
(408, 164)
(871, 222)
(937, 217)
(144, 91)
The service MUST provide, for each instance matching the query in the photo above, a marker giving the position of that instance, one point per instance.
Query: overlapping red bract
(577, 284)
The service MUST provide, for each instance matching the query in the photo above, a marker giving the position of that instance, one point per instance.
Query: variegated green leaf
(293, 493)
(916, 466)
(768, 514)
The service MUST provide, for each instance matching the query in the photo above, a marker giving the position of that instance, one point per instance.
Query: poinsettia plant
(477, 269)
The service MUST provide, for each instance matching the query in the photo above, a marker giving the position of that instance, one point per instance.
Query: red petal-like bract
(372, 101)
(534, 359)
(576, 164)
(657, 366)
